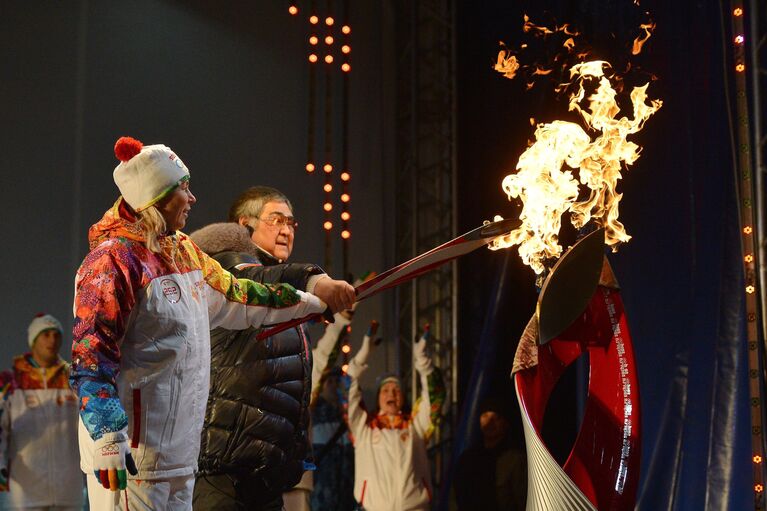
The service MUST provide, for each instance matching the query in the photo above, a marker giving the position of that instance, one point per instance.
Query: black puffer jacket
(258, 407)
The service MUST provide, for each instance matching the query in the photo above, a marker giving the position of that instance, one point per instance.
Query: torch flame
(639, 41)
(548, 190)
(506, 64)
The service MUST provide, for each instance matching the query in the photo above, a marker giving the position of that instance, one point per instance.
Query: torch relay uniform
(391, 468)
(38, 436)
(141, 351)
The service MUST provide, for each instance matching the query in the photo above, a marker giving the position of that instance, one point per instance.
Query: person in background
(391, 468)
(254, 441)
(492, 475)
(146, 298)
(38, 426)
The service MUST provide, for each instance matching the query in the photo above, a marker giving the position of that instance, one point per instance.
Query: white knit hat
(146, 174)
(41, 323)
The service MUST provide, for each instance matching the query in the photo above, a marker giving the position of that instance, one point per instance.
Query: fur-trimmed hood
(226, 237)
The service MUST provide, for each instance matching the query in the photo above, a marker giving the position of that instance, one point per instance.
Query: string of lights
(748, 244)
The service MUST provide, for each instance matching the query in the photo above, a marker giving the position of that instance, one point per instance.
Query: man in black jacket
(254, 440)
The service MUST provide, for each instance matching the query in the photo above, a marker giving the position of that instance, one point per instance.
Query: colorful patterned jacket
(38, 435)
(141, 342)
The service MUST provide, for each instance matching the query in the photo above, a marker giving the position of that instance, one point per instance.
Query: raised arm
(432, 388)
(357, 415)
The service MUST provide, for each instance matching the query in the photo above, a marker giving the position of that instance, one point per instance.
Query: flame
(506, 64)
(639, 41)
(545, 181)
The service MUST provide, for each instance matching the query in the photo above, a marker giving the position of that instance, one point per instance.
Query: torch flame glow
(548, 189)
(639, 41)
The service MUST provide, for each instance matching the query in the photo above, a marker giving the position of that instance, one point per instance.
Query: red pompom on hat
(127, 147)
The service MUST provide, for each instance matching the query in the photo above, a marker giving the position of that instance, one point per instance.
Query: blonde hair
(153, 224)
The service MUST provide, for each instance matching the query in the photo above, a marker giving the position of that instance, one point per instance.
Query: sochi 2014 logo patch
(171, 290)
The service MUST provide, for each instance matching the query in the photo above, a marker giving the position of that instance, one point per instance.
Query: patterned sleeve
(6, 389)
(104, 298)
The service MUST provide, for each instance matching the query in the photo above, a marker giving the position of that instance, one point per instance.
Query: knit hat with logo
(40, 324)
(146, 174)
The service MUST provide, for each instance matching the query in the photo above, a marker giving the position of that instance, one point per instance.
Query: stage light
(345, 235)
(329, 39)
(345, 216)
(293, 10)
(328, 168)
(750, 289)
(329, 59)
(346, 48)
(312, 58)
(749, 258)
(346, 348)
(327, 206)
(758, 488)
(757, 459)
(313, 20)
(345, 67)
(345, 368)
(327, 225)
(345, 197)
(346, 29)
(740, 68)
(314, 39)
(345, 176)
(739, 39)
(328, 187)
(737, 12)
(747, 230)
(310, 167)
(329, 21)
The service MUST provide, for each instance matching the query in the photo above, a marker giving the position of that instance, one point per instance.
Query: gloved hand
(358, 364)
(111, 457)
(421, 360)
(3, 479)
(338, 294)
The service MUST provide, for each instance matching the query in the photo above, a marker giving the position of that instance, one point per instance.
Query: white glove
(421, 360)
(111, 457)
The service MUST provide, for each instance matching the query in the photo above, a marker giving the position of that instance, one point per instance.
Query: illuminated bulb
(314, 20)
(757, 458)
(329, 21)
(749, 258)
(345, 235)
(327, 225)
(345, 67)
(345, 176)
(738, 12)
(740, 68)
(328, 168)
(329, 39)
(310, 167)
(345, 368)
(327, 206)
(313, 39)
(345, 197)
(346, 48)
(328, 188)
(348, 329)
(345, 216)
(758, 488)
(739, 39)
(346, 29)
(293, 10)
(312, 58)
(747, 230)
(346, 348)
(329, 59)
(750, 290)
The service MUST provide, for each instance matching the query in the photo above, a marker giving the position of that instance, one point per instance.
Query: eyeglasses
(279, 220)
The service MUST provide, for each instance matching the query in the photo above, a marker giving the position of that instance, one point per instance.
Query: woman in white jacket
(146, 298)
(391, 468)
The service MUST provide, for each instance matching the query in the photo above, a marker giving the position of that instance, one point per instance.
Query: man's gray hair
(251, 202)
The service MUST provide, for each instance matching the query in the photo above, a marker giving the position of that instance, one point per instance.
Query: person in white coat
(38, 426)
(146, 298)
(391, 468)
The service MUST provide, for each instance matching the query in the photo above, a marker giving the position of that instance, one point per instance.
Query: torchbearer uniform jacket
(38, 435)
(141, 341)
(391, 468)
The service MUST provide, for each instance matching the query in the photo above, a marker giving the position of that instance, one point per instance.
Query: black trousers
(227, 493)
